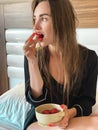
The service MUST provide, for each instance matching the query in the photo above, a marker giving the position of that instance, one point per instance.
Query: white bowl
(45, 119)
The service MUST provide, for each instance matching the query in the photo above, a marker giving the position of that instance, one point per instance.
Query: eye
(44, 19)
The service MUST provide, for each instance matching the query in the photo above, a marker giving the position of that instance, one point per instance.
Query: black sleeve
(44, 98)
(27, 77)
(87, 97)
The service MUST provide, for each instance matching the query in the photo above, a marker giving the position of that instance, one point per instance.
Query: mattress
(7, 126)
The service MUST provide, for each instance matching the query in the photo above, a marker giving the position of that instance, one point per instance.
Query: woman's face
(43, 22)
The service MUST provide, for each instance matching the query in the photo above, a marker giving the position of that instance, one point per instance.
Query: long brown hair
(64, 26)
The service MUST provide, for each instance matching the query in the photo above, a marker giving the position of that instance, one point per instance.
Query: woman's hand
(69, 113)
(64, 122)
(30, 47)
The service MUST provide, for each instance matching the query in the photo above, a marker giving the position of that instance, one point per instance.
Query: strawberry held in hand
(40, 37)
(36, 36)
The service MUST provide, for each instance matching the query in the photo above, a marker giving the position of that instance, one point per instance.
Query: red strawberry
(36, 36)
(46, 112)
(31, 37)
(54, 110)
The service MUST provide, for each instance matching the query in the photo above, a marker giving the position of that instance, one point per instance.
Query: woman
(62, 71)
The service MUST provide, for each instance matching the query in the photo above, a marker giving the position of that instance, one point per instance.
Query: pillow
(14, 107)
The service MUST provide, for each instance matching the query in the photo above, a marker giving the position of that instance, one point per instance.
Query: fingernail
(50, 125)
(62, 106)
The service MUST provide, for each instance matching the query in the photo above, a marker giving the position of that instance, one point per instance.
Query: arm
(43, 98)
(36, 81)
(33, 79)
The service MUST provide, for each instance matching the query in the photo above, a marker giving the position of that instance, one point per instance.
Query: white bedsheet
(6, 126)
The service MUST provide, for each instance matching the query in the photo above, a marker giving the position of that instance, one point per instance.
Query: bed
(13, 105)
(13, 108)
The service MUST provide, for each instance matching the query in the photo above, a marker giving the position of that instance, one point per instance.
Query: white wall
(89, 38)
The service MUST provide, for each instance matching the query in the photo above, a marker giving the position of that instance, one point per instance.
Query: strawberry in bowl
(49, 113)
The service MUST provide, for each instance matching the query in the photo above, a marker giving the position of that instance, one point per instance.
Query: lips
(40, 37)
(37, 36)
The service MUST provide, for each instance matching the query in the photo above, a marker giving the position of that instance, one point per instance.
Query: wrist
(33, 61)
(72, 112)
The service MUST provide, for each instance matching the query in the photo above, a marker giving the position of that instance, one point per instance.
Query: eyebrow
(42, 15)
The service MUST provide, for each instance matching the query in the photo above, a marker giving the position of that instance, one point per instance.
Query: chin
(43, 44)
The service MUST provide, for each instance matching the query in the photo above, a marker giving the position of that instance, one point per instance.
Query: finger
(64, 121)
(31, 38)
(29, 55)
(64, 107)
(60, 125)
(30, 42)
(34, 38)
(27, 46)
(63, 126)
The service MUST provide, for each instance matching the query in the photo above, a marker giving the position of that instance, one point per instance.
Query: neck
(53, 51)
(56, 60)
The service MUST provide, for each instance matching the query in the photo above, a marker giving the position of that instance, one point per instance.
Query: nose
(37, 25)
